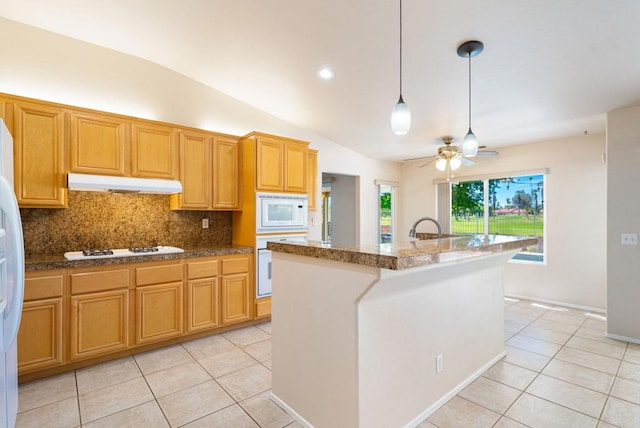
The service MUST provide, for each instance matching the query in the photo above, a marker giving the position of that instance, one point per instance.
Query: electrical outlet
(438, 363)
(205, 223)
(629, 239)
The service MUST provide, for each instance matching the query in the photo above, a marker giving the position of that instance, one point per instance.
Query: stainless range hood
(106, 183)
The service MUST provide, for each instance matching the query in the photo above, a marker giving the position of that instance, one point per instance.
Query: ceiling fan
(451, 157)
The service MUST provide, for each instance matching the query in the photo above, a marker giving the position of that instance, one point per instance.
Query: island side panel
(315, 338)
(408, 318)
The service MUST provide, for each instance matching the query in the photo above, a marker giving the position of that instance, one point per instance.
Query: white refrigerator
(11, 282)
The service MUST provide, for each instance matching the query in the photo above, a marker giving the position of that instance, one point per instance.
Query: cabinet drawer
(158, 274)
(99, 281)
(205, 269)
(231, 266)
(43, 288)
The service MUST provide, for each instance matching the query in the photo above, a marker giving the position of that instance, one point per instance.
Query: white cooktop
(124, 252)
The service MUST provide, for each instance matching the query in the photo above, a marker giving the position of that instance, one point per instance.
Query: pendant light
(467, 50)
(400, 115)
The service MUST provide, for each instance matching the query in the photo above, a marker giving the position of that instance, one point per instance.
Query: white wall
(47, 66)
(623, 216)
(575, 204)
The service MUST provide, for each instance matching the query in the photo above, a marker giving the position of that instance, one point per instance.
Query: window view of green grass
(515, 206)
(520, 225)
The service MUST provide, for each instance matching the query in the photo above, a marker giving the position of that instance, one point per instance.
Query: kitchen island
(383, 335)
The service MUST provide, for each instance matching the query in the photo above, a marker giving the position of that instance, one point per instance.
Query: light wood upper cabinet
(98, 144)
(312, 178)
(295, 171)
(226, 174)
(39, 156)
(281, 164)
(270, 164)
(209, 172)
(154, 151)
(195, 172)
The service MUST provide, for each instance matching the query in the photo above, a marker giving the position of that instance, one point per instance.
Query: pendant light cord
(400, 48)
(469, 91)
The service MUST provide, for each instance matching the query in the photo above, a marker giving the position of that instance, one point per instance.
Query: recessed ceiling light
(326, 74)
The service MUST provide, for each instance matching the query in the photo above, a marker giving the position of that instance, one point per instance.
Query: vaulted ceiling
(549, 68)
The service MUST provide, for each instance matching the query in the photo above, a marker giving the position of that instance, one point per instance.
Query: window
(386, 211)
(511, 205)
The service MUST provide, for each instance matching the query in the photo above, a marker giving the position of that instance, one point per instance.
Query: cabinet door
(39, 144)
(263, 307)
(312, 178)
(195, 172)
(295, 169)
(270, 164)
(158, 312)
(99, 323)
(235, 298)
(226, 176)
(203, 304)
(40, 335)
(98, 144)
(153, 151)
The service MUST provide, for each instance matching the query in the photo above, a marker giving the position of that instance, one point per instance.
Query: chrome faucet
(412, 232)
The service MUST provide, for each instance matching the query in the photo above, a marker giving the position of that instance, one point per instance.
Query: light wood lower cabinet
(80, 314)
(158, 312)
(235, 298)
(99, 319)
(203, 295)
(40, 338)
(263, 307)
(236, 290)
(203, 304)
(99, 323)
(159, 304)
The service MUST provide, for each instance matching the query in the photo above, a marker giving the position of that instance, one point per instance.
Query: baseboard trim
(623, 338)
(435, 406)
(422, 416)
(557, 303)
(302, 421)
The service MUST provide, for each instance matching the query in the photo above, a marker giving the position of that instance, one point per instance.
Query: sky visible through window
(527, 183)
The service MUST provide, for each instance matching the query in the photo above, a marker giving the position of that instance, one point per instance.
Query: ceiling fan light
(470, 144)
(455, 163)
(441, 164)
(400, 118)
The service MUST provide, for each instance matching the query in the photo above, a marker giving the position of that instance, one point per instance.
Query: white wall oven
(263, 267)
(277, 212)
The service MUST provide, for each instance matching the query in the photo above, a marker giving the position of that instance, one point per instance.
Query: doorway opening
(340, 209)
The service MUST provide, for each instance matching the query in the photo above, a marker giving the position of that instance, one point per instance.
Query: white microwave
(277, 212)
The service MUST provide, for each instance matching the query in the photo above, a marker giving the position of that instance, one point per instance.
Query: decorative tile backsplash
(118, 220)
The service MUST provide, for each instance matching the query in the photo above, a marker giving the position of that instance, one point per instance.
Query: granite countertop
(59, 262)
(405, 255)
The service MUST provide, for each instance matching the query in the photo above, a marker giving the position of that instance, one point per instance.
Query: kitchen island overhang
(355, 344)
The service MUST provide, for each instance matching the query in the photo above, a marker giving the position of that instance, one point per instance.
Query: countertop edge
(404, 259)
(59, 262)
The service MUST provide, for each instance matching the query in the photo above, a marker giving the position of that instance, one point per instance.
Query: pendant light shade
(467, 50)
(441, 164)
(400, 118)
(470, 144)
(400, 115)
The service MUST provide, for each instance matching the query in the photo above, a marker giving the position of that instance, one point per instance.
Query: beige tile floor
(560, 371)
